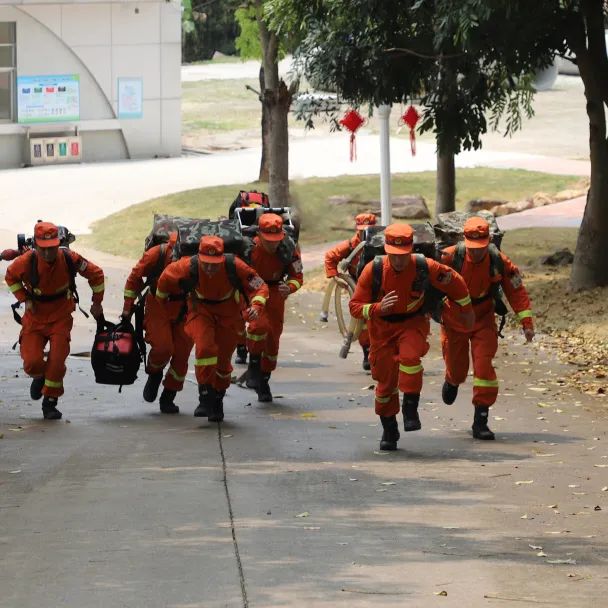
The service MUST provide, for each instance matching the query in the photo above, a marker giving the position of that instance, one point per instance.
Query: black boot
(449, 392)
(49, 409)
(390, 434)
(480, 423)
(205, 395)
(411, 420)
(36, 388)
(241, 354)
(366, 365)
(263, 389)
(152, 385)
(254, 372)
(166, 402)
(216, 411)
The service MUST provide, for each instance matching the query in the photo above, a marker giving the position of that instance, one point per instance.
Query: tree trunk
(265, 161)
(445, 199)
(590, 268)
(279, 146)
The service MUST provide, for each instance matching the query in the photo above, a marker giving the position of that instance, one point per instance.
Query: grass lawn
(123, 233)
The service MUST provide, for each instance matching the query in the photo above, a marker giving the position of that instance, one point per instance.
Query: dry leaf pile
(575, 326)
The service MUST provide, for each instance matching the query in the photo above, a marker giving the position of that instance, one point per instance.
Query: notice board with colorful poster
(130, 98)
(48, 98)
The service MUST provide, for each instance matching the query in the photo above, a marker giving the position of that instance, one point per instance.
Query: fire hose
(342, 284)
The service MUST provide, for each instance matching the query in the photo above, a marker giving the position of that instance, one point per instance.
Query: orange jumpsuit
(483, 339)
(332, 258)
(163, 328)
(49, 321)
(264, 333)
(214, 315)
(398, 345)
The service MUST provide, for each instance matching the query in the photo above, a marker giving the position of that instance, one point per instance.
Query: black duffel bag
(116, 355)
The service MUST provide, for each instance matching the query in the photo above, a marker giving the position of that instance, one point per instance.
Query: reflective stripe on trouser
(395, 354)
(215, 337)
(270, 324)
(34, 337)
(483, 345)
(387, 405)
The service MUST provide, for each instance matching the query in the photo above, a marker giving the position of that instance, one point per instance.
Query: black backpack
(35, 281)
(433, 297)
(497, 267)
(116, 354)
(189, 285)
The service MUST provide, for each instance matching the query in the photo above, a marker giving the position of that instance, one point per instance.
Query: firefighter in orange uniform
(485, 270)
(283, 277)
(340, 252)
(399, 326)
(43, 278)
(217, 282)
(164, 327)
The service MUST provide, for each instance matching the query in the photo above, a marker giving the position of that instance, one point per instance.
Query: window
(7, 71)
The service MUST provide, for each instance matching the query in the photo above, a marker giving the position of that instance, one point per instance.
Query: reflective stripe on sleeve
(464, 301)
(15, 287)
(295, 283)
(524, 314)
(130, 293)
(481, 383)
(98, 288)
(161, 294)
(260, 299)
(205, 361)
(366, 309)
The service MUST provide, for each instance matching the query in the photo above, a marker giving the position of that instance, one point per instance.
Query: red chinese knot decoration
(410, 118)
(352, 121)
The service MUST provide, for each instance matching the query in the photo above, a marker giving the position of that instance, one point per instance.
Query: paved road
(290, 504)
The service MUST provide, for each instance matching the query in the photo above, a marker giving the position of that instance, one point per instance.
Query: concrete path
(567, 214)
(291, 504)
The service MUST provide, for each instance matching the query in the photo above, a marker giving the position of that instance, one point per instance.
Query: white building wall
(102, 42)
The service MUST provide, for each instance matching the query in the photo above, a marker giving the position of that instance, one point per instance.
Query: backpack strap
(421, 282)
(458, 259)
(233, 276)
(72, 272)
(377, 271)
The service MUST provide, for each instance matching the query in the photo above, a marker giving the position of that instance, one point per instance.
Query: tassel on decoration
(410, 118)
(352, 121)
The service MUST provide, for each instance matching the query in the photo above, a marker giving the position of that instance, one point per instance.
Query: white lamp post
(385, 166)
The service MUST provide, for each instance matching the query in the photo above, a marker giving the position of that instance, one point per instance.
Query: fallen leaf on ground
(305, 514)
(536, 547)
(521, 483)
(308, 415)
(388, 483)
(442, 593)
(562, 561)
